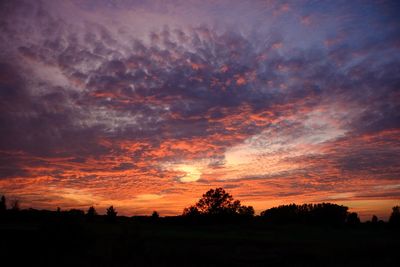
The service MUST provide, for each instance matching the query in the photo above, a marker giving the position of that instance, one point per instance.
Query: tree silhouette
(15, 206)
(285, 213)
(3, 204)
(76, 213)
(191, 211)
(395, 216)
(352, 219)
(374, 219)
(218, 203)
(322, 213)
(328, 213)
(246, 211)
(111, 214)
(155, 215)
(91, 213)
(215, 202)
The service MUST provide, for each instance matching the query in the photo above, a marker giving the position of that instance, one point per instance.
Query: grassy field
(163, 243)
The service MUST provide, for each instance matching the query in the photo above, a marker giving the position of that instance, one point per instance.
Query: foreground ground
(163, 243)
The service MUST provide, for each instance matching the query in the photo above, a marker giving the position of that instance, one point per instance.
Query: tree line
(217, 204)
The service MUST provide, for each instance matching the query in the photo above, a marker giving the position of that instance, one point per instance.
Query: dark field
(170, 242)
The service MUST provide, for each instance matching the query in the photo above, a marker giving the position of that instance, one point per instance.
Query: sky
(145, 105)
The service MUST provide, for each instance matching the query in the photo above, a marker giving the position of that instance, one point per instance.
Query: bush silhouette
(218, 203)
(111, 214)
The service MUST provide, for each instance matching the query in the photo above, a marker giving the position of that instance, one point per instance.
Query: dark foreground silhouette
(219, 233)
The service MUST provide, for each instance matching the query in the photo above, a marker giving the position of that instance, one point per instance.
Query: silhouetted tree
(111, 214)
(75, 213)
(328, 213)
(15, 206)
(246, 211)
(218, 203)
(155, 215)
(191, 211)
(395, 216)
(91, 213)
(3, 204)
(352, 218)
(323, 213)
(374, 219)
(285, 213)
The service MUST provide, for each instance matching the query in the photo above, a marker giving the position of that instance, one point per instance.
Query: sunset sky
(145, 105)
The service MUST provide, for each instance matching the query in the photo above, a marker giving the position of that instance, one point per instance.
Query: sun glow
(190, 173)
